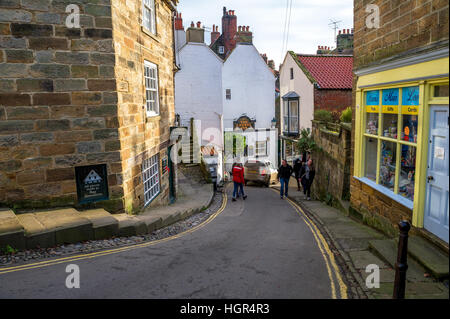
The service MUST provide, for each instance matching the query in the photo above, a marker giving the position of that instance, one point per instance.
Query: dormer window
(221, 49)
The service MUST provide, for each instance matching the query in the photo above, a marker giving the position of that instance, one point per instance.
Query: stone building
(400, 126)
(86, 111)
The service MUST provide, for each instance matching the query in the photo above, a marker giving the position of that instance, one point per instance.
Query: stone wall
(75, 97)
(57, 101)
(332, 162)
(141, 136)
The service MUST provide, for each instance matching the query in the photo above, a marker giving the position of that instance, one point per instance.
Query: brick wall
(332, 100)
(404, 25)
(140, 136)
(57, 101)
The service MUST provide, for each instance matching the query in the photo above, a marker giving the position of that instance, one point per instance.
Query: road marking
(325, 250)
(116, 250)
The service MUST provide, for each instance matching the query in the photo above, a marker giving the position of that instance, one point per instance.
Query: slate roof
(328, 71)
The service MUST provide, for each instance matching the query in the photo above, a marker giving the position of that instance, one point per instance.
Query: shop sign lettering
(390, 97)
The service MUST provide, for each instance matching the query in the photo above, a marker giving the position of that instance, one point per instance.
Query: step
(130, 225)
(431, 258)
(11, 231)
(387, 249)
(54, 227)
(103, 223)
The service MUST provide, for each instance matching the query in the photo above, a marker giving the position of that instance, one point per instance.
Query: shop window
(387, 164)
(372, 110)
(392, 147)
(407, 173)
(371, 160)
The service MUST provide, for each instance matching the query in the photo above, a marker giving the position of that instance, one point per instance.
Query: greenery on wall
(306, 142)
(346, 116)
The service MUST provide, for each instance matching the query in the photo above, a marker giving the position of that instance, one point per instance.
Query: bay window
(291, 113)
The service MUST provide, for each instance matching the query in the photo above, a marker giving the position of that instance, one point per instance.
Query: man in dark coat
(297, 168)
(284, 173)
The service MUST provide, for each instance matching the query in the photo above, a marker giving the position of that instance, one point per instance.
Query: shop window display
(387, 164)
(396, 110)
(371, 159)
(390, 125)
(407, 173)
(372, 123)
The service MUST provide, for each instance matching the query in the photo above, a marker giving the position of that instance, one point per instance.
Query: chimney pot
(339, 31)
(199, 24)
(192, 24)
(348, 31)
(353, 30)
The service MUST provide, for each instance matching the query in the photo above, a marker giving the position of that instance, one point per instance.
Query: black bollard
(401, 266)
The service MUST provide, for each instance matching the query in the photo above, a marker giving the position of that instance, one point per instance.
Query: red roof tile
(329, 72)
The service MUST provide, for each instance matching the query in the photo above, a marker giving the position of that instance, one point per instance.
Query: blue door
(437, 192)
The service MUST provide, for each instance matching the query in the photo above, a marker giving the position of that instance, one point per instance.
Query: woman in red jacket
(238, 180)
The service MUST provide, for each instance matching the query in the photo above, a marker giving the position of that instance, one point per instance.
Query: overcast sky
(309, 21)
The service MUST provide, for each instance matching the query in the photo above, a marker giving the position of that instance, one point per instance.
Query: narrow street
(258, 248)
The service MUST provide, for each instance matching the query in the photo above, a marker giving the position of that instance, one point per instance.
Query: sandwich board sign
(92, 183)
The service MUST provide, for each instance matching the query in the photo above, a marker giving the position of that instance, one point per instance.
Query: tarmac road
(257, 248)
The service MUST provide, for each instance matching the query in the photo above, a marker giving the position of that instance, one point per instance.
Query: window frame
(292, 73)
(289, 131)
(152, 9)
(147, 177)
(221, 49)
(379, 138)
(228, 94)
(147, 80)
(257, 149)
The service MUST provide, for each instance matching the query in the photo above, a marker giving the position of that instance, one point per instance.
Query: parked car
(263, 172)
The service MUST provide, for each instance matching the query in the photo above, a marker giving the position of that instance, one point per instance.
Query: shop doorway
(437, 189)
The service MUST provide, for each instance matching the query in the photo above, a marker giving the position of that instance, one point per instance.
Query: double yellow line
(115, 250)
(328, 256)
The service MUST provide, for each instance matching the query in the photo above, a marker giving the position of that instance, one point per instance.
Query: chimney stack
(229, 30)
(195, 34)
(178, 22)
(215, 34)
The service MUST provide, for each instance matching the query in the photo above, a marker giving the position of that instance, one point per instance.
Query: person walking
(284, 173)
(307, 174)
(238, 181)
(297, 167)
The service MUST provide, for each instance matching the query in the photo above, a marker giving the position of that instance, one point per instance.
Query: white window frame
(221, 49)
(228, 94)
(151, 106)
(151, 178)
(261, 148)
(149, 15)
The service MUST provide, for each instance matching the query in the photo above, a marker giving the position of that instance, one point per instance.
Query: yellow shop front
(402, 137)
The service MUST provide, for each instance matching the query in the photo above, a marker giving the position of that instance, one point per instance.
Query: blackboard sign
(92, 183)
